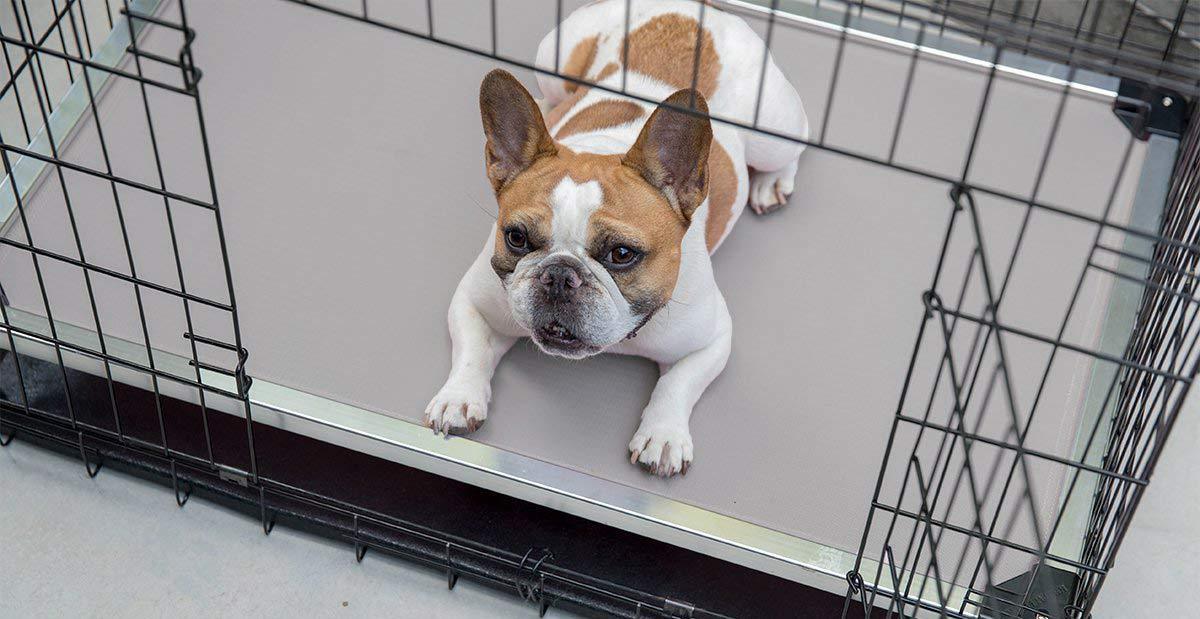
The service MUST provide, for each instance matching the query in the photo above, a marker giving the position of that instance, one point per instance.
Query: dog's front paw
(663, 448)
(769, 191)
(459, 408)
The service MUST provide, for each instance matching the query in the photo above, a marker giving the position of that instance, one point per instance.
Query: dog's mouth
(557, 339)
(556, 335)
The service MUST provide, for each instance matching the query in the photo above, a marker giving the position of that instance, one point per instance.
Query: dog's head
(588, 246)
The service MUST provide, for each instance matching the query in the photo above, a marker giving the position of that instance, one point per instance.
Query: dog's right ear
(516, 133)
(671, 152)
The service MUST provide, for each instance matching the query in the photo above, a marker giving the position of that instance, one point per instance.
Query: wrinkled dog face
(578, 276)
(588, 246)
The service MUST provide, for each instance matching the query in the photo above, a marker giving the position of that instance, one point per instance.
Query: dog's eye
(622, 256)
(516, 239)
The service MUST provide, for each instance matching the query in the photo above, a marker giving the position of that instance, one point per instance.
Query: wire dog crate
(1038, 156)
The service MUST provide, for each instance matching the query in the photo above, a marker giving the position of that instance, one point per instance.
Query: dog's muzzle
(561, 308)
(560, 281)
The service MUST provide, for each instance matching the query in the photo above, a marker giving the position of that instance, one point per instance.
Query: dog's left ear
(671, 153)
(516, 133)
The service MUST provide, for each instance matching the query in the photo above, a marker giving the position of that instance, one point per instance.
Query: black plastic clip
(532, 588)
(1044, 591)
(1149, 109)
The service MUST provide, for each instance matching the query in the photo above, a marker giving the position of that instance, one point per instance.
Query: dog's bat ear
(671, 153)
(512, 122)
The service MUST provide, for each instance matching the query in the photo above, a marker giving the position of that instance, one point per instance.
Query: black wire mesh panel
(1159, 36)
(958, 496)
(1147, 404)
(58, 64)
(957, 493)
(973, 488)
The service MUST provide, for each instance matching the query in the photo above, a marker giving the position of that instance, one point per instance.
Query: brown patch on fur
(600, 115)
(722, 191)
(664, 48)
(633, 212)
(559, 111)
(607, 71)
(580, 60)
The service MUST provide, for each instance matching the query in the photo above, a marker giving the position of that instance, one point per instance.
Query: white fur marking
(573, 204)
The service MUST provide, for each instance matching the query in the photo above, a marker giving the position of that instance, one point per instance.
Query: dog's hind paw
(769, 191)
(459, 408)
(661, 448)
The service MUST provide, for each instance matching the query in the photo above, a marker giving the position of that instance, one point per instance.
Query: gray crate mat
(349, 169)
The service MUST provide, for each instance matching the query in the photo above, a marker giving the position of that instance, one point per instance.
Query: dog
(610, 207)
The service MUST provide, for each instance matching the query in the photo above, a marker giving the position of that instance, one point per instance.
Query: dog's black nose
(560, 280)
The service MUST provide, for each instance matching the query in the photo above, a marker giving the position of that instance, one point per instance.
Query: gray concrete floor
(135, 554)
(1157, 569)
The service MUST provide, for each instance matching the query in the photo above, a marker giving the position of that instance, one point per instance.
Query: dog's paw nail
(457, 409)
(662, 449)
(769, 191)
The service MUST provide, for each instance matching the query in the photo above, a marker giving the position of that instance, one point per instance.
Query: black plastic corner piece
(1147, 109)
(1049, 597)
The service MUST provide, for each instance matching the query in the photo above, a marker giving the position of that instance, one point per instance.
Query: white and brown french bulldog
(609, 208)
